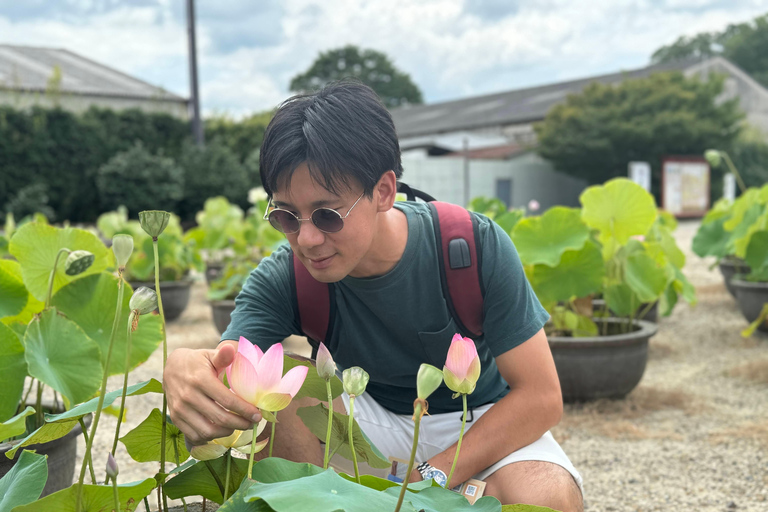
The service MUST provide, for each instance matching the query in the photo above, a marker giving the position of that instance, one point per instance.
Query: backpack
(457, 238)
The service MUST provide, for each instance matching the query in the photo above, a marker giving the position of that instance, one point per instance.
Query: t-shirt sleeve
(513, 313)
(264, 310)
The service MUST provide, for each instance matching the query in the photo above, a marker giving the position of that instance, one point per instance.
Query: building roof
(506, 108)
(27, 68)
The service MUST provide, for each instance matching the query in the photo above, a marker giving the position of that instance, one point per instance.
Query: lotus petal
(460, 355)
(256, 448)
(208, 451)
(243, 379)
(292, 381)
(274, 402)
(250, 351)
(270, 368)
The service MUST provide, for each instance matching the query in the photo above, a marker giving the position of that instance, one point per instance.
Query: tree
(744, 44)
(594, 134)
(373, 68)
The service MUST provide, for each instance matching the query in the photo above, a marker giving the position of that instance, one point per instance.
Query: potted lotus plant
(223, 290)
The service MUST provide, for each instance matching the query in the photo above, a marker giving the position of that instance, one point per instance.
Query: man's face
(329, 257)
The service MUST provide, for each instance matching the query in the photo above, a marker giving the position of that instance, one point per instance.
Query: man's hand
(198, 402)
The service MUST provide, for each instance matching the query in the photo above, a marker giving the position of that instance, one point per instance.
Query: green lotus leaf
(742, 236)
(749, 200)
(237, 503)
(619, 209)
(667, 301)
(90, 302)
(620, 299)
(35, 247)
(25, 481)
(16, 303)
(273, 470)
(96, 498)
(16, 425)
(437, 499)
(712, 240)
(519, 507)
(757, 251)
(13, 371)
(61, 355)
(578, 325)
(46, 433)
(508, 220)
(197, 479)
(646, 278)
(143, 442)
(669, 246)
(543, 240)
(579, 274)
(313, 385)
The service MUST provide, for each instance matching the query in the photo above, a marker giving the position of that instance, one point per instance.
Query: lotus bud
(326, 368)
(154, 222)
(143, 300)
(428, 380)
(78, 262)
(112, 469)
(355, 379)
(122, 246)
(462, 366)
(714, 157)
(533, 205)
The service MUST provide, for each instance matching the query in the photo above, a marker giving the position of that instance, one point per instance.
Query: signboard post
(640, 173)
(729, 186)
(685, 186)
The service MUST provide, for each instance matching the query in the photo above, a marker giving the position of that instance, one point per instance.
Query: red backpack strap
(457, 242)
(314, 303)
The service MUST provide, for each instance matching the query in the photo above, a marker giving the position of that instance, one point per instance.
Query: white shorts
(393, 436)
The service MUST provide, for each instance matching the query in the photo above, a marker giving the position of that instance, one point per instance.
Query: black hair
(342, 131)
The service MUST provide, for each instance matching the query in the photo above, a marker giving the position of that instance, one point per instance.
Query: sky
(248, 50)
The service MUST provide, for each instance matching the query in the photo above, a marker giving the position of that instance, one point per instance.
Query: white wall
(532, 178)
(79, 103)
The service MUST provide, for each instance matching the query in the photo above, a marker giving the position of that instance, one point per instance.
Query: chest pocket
(436, 344)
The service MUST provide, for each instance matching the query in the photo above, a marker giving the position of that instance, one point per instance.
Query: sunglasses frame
(268, 212)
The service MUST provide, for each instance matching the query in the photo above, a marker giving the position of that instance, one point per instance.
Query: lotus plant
(355, 380)
(112, 471)
(326, 369)
(461, 371)
(257, 377)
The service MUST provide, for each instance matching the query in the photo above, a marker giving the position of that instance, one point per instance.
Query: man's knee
(536, 483)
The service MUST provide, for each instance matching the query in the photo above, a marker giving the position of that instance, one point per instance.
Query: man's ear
(386, 191)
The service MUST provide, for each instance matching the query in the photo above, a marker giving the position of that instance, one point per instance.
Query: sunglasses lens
(327, 220)
(283, 221)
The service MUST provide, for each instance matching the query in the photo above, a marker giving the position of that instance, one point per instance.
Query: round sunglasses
(326, 220)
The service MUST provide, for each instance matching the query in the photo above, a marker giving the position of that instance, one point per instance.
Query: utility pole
(197, 126)
(466, 172)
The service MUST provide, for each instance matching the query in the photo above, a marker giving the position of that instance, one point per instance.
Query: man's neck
(387, 247)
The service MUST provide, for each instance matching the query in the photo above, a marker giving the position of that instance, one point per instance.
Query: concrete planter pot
(751, 296)
(175, 296)
(602, 366)
(62, 455)
(222, 309)
(651, 316)
(729, 267)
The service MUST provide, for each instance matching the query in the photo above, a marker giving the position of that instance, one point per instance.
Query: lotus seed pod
(428, 380)
(78, 262)
(326, 368)
(154, 222)
(112, 469)
(122, 246)
(355, 380)
(714, 157)
(143, 300)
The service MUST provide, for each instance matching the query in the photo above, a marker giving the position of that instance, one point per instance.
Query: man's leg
(535, 483)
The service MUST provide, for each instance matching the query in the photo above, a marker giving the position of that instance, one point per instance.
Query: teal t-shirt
(390, 324)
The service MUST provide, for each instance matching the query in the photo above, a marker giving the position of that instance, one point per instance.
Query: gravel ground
(692, 436)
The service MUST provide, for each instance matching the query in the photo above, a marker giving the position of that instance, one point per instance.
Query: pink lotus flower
(462, 366)
(257, 376)
(533, 205)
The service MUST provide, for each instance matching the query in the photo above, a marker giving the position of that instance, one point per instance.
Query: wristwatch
(427, 471)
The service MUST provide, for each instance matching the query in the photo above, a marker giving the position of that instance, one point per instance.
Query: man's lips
(321, 263)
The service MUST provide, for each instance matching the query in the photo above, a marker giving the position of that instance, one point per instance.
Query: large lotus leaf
(742, 235)
(667, 220)
(91, 302)
(324, 492)
(668, 300)
(16, 303)
(543, 240)
(61, 355)
(757, 251)
(508, 220)
(237, 503)
(620, 299)
(313, 385)
(721, 209)
(381, 484)
(437, 499)
(670, 248)
(16, 425)
(749, 200)
(25, 481)
(197, 479)
(316, 419)
(619, 209)
(646, 278)
(712, 240)
(143, 442)
(13, 371)
(579, 274)
(273, 470)
(35, 247)
(58, 425)
(578, 325)
(96, 498)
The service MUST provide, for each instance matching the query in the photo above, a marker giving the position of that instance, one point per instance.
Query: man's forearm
(517, 420)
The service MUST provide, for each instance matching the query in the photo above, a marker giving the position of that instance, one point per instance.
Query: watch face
(438, 476)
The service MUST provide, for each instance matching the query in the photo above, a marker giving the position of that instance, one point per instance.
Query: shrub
(140, 180)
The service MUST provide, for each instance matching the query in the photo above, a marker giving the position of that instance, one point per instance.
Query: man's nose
(309, 235)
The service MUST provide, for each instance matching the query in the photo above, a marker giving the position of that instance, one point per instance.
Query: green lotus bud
(428, 380)
(122, 246)
(78, 262)
(154, 222)
(112, 469)
(355, 379)
(143, 300)
(714, 157)
(326, 368)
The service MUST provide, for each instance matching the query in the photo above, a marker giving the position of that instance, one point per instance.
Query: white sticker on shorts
(471, 490)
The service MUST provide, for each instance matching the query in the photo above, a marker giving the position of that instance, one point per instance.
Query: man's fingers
(231, 402)
(198, 430)
(224, 355)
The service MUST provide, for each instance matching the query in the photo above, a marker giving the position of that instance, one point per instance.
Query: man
(330, 163)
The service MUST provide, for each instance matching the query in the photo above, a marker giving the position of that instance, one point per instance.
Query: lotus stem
(351, 442)
(53, 274)
(97, 414)
(128, 343)
(178, 463)
(461, 436)
(735, 172)
(226, 480)
(272, 436)
(87, 461)
(23, 403)
(165, 358)
(645, 310)
(39, 406)
(253, 449)
(114, 493)
(326, 458)
(417, 414)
